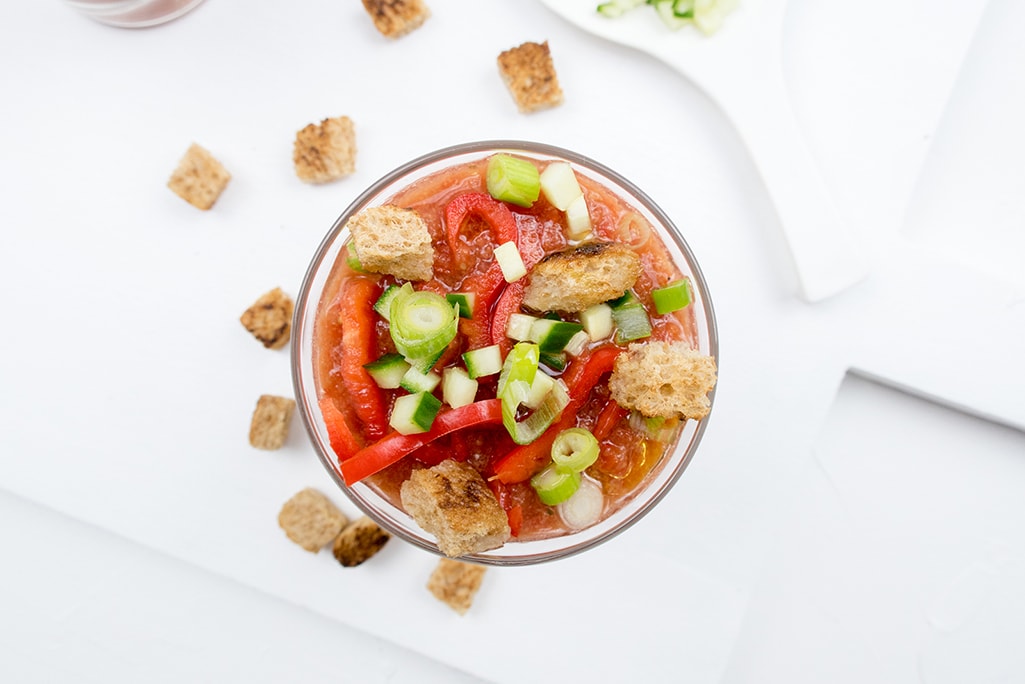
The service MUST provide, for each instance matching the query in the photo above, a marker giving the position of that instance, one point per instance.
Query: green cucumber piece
(465, 302)
(483, 361)
(415, 380)
(553, 335)
(388, 370)
(414, 413)
(457, 387)
(383, 304)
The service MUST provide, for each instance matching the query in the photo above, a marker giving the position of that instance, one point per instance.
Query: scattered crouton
(199, 179)
(391, 240)
(579, 277)
(452, 502)
(326, 151)
(269, 427)
(311, 520)
(455, 583)
(359, 542)
(395, 18)
(530, 76)
(269, 319)
(663, 379)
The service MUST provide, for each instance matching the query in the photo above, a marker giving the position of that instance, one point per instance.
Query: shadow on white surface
(902, 555)
(80, 604)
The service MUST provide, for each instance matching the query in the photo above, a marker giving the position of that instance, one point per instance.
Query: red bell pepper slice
(359, 347)
(581, 376)
(513, 510)
(608, 419)
(343, 441)
(394, 446)
(496, 214)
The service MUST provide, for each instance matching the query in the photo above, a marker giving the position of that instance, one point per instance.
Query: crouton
(359, 542)
(582, 276)
(269, 319)
(326, 151)
(395, 18)
(530, 76)
(391, 240)
(268, 429)
(200, 178)
(452, 502)
(311, 520)
(455, 583)
(666, 379)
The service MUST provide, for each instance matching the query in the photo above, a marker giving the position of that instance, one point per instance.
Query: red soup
(466, 224)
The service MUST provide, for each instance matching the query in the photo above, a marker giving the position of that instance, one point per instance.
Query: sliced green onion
(388, 370)
(514, 180)
(539, 389)
(527, 430)
(520, 365)
(584, 507)
(631, 319)
(575, 449)
(464, 300)
(577, 343)
(615, 8)
(422, 324)
(555, 485)
(672, 297)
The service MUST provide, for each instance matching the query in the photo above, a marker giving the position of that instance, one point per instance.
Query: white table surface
(831, 528)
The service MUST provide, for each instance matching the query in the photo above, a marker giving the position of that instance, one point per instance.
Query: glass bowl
(658, 482)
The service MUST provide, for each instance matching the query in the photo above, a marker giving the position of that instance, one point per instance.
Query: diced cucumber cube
(559, 184)
(483, 361)
(578, 219)
(552, 336)
(509, 260)
(388, 370)
(464, 300)
(414, 413)
(415, 380)
(457, 387)
(597, 321)
(518, 327)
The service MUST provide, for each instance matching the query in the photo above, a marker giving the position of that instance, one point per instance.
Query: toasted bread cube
(311, 520)
(269, 319)
(455, 583)
(200, 178)
(452, 502)
(326, 151)
(395, 18)
(359, 542)
(268, 429)
(582, 276)
(663, 379)
(391, 240)
(530, 76)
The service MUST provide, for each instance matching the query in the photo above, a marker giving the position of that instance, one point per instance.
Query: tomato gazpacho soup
(505, 350)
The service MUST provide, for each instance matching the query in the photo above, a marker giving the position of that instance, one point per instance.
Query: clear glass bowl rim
(647, 500)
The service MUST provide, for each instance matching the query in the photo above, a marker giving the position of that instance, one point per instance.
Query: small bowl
(658, 482)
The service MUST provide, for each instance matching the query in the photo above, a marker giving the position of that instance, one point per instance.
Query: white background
(827, 521)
